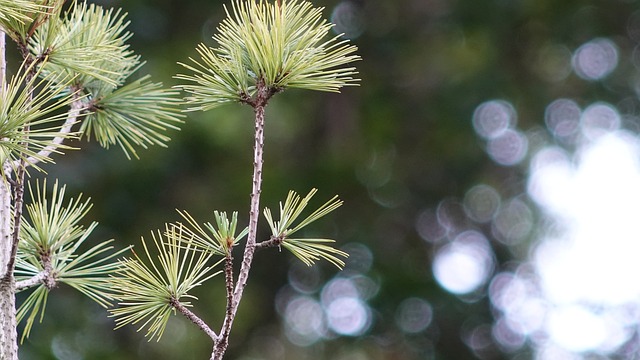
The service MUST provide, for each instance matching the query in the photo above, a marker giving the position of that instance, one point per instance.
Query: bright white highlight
(588, 271)
(465, 264)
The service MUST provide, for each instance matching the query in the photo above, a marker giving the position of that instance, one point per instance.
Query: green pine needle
(88, 43)
(218, 240)
(311, 250)
(35, 304)
(307, 250)
(285, 46)
(52, 226)
(38, 110)
(135, 115)
(16, 16)
(147, 287)
(52, 234)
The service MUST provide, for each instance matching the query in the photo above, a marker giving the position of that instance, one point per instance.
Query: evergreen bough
(74, 82)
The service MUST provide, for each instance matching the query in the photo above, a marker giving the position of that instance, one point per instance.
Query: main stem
(8, 333)
(259, 103)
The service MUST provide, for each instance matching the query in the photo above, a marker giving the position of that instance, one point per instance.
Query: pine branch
(193, 317)
(223, 340)
(272, 242)
(148, 290)
(21, 168)
(281, 45)
(32, 281)
(259, 103)
(77, 106)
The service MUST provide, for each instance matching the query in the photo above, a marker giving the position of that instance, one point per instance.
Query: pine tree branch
(20, 167)
(18, 204)
(31, 282)
(5, 202)
(258, 103)
(226, 326)
(43, 277)
(8, 332)
(77, 107)
(272, 242)
(47, 276)
(193, 317)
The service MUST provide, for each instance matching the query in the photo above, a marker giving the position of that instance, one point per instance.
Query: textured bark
(5, 223)
(8, 335)
(8, 332)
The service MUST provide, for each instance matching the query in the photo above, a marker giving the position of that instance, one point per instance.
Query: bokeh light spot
(338, 288)
(518, 299)
(513, 222)
(479, 339)
(414, 315)
(360, 258)
(481, 202)
(598, 119)
(465, 264)
(348, 316)
(506, 337)
(563, 118)
(492, 118)
(348, 19)
(595, 59)
(509, 148)
(451, 215)
(62, 347)
(305, 321)
(429, 228)
(303, 278)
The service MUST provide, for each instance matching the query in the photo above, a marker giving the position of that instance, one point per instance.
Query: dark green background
(395, 146)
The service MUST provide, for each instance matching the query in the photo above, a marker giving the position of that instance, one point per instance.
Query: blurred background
(489, 164)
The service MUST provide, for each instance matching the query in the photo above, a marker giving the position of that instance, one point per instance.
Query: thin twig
(223, 341)
(37, 279)
(77, 107)
(272, 242)
(193, 317)
(46, 276)
(32, 281)
(18, 202)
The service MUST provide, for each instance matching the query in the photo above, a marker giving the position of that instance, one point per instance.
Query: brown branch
(193, 317)
(258, 102)
(17, 217)
(223, 341)
(272, 242)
